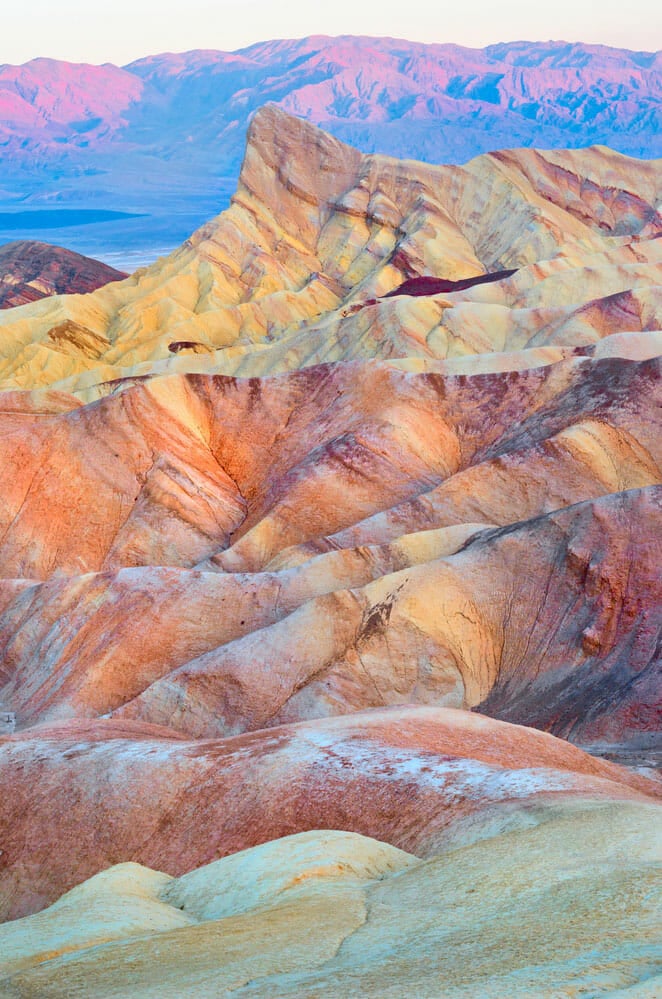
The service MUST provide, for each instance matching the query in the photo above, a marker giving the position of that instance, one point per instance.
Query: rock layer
(103, 792)
(364, 919)
(294, 272)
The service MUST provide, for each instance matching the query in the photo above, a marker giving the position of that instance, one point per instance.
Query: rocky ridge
(296, 271)
(178, 120)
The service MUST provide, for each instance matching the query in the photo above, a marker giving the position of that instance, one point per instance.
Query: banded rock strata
(30, 270)
(294, 273)
(421, 778)
(287, 517)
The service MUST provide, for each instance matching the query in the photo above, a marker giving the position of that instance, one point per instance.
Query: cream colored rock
(315, 230)
(116, 904)
(567, 904)
(381, 436)
(419, 778)
(279, 870)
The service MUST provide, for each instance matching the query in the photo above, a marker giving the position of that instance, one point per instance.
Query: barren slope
(343, 915)
(316, 231)
(103, 792)
(379, 443)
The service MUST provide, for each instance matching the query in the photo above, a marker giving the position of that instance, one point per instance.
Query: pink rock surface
(264, 527)
(97, 793)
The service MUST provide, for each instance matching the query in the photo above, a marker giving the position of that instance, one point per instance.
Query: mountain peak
(290, 163)
(283, 553)
(178, 121)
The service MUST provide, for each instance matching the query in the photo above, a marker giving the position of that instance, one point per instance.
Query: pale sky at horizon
(124, 30)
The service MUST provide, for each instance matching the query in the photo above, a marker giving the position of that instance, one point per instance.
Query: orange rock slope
(265, 527)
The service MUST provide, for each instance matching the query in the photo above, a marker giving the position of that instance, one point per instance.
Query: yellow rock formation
(316, 230)
(379, 443)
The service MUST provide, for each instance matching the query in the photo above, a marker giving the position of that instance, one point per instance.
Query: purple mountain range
(166, 133)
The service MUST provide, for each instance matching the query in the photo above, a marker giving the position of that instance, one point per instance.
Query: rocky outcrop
(30, 271)
(178, 121)
(295, 272)
(341, 500)
(333, 502)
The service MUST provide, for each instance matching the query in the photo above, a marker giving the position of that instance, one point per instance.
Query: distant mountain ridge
(174, 125)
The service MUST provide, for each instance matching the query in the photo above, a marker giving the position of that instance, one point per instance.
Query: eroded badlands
(301, 538)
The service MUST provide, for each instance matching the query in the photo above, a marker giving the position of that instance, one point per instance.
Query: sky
(119, 31)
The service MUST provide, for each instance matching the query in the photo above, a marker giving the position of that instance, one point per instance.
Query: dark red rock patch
(31, 270)
(420, 286)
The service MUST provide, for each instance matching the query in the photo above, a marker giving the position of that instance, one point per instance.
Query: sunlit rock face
(295, 272)
(342, 521)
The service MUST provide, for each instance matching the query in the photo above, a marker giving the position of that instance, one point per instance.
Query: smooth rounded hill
(30, 271)
(301, 529)
(86, 795)
(338, 914)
